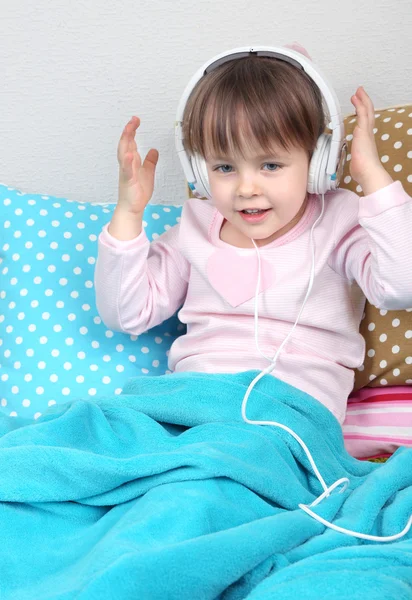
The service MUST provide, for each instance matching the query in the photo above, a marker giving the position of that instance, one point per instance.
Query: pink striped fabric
(378, 421)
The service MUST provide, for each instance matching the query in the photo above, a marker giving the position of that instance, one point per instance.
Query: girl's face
(274, 184)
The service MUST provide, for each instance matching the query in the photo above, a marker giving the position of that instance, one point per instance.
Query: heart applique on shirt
(234, 276)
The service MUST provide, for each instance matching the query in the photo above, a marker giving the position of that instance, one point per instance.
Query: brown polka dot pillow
(388, 334)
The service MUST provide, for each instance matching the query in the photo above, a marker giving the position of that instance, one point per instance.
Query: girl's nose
(247, 187)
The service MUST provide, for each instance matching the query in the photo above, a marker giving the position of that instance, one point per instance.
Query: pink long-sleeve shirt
(363, 248)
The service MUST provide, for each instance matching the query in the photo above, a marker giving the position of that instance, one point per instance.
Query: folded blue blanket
(164, 492)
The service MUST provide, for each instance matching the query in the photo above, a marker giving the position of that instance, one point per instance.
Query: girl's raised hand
(365, 165)
(136, 180)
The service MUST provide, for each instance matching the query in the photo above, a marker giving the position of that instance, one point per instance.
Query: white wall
(74, 72)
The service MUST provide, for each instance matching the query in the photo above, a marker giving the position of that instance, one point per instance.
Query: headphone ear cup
(201, 188)
(319, 181)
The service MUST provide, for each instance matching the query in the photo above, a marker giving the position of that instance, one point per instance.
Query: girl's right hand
(136, 180)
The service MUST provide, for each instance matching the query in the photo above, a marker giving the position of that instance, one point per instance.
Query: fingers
(127, 141)
(151, 159)
(365, 110)
(128, 156)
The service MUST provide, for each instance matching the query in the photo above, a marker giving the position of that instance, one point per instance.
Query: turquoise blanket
(165, 493)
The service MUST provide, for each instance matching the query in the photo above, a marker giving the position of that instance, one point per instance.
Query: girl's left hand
(365, 164)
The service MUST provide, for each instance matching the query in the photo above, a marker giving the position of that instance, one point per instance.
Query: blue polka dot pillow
(53, 344)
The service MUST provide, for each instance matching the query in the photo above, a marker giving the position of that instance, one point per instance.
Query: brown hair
(258, 100)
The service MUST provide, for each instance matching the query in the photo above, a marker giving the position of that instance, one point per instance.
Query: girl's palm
(136, 180)
(364, 153)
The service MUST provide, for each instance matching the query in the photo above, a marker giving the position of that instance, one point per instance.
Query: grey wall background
(73, 73)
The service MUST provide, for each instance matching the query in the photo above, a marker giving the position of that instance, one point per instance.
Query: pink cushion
(378, 421)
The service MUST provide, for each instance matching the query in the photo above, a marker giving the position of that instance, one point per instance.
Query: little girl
(256, 121)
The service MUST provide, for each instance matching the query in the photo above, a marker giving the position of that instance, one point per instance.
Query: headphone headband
(295, 58)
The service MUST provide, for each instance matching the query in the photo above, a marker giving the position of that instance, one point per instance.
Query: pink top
(363, 248)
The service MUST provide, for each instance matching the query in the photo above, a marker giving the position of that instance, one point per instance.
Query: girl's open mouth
(256, 216)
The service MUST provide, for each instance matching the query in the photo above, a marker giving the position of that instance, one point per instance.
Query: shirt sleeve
(139, 284)
(374, 247)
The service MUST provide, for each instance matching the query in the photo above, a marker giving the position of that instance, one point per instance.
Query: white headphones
(326, 166)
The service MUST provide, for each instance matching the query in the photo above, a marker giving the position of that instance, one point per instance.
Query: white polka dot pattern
(388, 334)
(53, 345)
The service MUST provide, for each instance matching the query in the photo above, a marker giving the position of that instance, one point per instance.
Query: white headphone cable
(267, 371)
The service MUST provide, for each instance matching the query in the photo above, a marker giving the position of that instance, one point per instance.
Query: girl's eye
(224, 169)
(272, 166)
